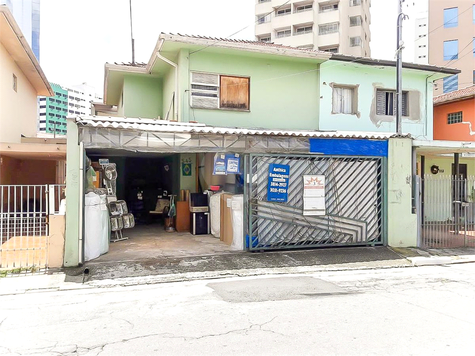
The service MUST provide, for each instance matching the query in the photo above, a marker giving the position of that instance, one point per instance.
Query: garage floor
(151, 241)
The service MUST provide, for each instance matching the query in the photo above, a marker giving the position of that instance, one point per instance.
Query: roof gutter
(174, 65)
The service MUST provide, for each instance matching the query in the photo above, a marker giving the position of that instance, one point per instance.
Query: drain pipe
(174, 65)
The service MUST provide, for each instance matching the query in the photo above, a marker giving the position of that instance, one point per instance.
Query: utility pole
(400, 44)
(131, 33)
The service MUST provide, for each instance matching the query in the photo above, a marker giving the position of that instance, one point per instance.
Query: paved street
(401, 311)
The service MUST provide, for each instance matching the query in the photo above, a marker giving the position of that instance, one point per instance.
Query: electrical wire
(242, 29)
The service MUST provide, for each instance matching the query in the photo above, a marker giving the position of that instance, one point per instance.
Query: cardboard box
(226, 228)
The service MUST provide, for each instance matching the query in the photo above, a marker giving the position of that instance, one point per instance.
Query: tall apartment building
(340, 26)
(27, 16)
(421, 40)
(53, 111)
(451, 41)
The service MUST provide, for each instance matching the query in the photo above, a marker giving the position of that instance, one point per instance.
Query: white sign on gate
(314, 195)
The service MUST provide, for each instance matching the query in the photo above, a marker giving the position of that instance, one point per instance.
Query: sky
(79, 36)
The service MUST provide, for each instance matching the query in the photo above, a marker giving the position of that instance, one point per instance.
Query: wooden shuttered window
(386, 103)
(234, 93)
(214, 91)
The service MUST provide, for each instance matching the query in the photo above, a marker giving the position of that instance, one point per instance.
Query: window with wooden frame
(386, 102)
(214, 91)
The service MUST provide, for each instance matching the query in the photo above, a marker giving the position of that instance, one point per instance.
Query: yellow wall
(18, 110)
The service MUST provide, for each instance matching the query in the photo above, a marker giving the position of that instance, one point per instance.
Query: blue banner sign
(349, 147)
(278, 184)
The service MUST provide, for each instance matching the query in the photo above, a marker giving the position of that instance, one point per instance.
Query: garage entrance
(152, 185)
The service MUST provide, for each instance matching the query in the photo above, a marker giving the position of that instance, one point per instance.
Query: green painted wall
(57, 110)
(402, 223)
(142, 96)
(283, 93)
(368, 78)
(188, 182)
(168, 89)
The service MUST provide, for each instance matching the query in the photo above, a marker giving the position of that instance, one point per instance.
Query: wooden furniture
(182, 216)
(226, 228)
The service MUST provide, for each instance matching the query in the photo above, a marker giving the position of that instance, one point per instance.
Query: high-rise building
(451, 41)
(53, 111)
(421, 42)
(340, 26)
(27, 16)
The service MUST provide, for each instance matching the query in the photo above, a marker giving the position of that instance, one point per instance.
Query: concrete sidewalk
(160, 270)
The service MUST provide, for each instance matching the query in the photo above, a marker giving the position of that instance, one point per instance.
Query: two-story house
(286, 120)
(27, 163)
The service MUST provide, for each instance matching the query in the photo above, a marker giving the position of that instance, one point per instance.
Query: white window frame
(355, 2)
(354, 41)
(283, 33)
(322, 8)
(303, 29)
(339, 96)
(263, 18)
(264, 38)
(328, 28)
(283, 11)
(303, 8)
(358, 23)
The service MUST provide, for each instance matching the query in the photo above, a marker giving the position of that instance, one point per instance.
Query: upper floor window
(386, 102)
(344, 99)
(15, 83)
(283, 11)
(303, 29)
(355, 21)
(329, 49)
(214, 91)
(328, 7)
(451, 17)
(454, 117)
(355, 41)
(473, 13)
(283, 33)
(355, 2)
(451, 49)
(328, 28)
(264, 38)
(301, 8)
(451, 83)
(263, 18)
(261, 1)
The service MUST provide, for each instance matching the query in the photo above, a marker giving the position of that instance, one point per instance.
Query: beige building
(339, 26)
(451, 33)
(24, 157)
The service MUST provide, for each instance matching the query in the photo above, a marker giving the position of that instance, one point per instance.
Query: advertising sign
(313, 195)
(278, 184)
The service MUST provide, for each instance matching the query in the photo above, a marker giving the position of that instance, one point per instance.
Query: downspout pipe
(174, 65)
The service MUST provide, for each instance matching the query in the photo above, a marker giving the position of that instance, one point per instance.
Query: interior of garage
(159, 191)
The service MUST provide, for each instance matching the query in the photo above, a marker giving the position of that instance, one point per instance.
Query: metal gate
(355, 203)
(24, 212)
(448, 206)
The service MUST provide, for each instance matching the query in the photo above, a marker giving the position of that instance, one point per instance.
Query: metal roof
(153, 125)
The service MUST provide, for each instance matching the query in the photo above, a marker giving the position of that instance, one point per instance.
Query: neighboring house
(334, 26)
(317, 112)
(29, 164)
(451, 34)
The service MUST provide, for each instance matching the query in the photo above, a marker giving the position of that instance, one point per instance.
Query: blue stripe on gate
(349, 147)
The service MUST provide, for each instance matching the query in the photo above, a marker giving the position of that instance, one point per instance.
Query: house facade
(309, 110)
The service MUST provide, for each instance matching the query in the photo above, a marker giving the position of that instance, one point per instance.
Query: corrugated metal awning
(151, 125)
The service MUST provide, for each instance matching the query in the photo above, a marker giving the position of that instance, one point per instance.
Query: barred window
(355, 41)
(454, 117)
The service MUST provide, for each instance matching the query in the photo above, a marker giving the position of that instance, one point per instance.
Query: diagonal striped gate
(354, 201)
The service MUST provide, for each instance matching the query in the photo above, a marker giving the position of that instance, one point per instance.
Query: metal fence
(354, 202)
(448, 211)
(24, 212)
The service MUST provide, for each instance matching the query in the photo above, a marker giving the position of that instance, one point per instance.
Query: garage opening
(180, 205)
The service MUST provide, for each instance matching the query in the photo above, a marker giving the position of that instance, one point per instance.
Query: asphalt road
(401, 311)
